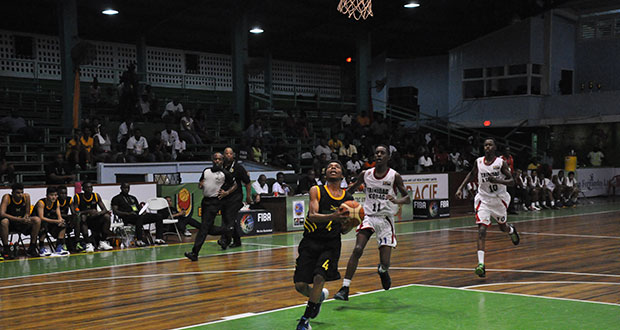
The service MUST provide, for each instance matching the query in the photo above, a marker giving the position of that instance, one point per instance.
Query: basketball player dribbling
(381, 185)
(492, 199)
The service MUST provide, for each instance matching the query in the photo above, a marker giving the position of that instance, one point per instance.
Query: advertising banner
(296, 211)
(254, 222)
(427, 186)
(428, 209)
(594, 181)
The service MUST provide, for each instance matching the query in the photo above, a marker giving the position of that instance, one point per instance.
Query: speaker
(406, 97)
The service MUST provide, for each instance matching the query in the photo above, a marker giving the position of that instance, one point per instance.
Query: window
(508, 80)
(24, 47)
(472, 73)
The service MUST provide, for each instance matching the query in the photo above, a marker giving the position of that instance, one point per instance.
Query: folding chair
(159, 203)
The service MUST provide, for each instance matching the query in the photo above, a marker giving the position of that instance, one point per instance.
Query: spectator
(257, 151)
(334, 145)
(125, 129)
(379, 128)
(144, 106)
(345, 121)
(280, 187)
(306, 182)
(76, 154)
(179, 151)
(442, 160)
(425, 163)
(138, 148)
(260, 186)
(169, 137)
(302, 125)
(87, 143)
(127, 207)
(201, 126)
(17, 125)
(319, 165)
(363, 120)
(188, 130)
(158, 149)
(59, 171)
(94, 92)
(173, 110)
(7, 171)
(281, 155)
(596, 157)
(354, 165)
(290, 124)
(347, 150)
(255, 131)
(370, 161)
(102, 150)
(322, 148)
(456, 160)
(235, 126)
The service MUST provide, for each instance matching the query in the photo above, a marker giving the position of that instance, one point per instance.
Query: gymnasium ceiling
(299, 30)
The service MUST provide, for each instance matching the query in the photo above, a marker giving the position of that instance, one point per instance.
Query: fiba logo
(298, 208)
(247, 223)
(433, 209)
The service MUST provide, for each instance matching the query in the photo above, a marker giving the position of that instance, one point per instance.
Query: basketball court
(564, 274)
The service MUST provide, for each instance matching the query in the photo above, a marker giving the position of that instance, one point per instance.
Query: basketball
(356, 214)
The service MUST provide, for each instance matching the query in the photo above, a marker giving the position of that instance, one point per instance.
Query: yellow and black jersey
(49, 211)
(84, 203)
(17, 209)
(65, 205)
(327, 205)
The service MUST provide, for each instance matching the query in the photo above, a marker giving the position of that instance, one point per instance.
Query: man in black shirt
(15, 217)
(319, 250)
(216, 183)
(233, 203)
(59, 172)
(127, 207)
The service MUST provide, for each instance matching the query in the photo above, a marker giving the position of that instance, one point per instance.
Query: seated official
(183, 219)
(280, 187)
(127, 207)
(48, 210)
(15, 217)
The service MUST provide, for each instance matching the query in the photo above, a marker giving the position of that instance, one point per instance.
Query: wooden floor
(575, 257)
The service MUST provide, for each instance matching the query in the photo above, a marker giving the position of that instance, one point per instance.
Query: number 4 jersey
(486, 188)
(377, 189)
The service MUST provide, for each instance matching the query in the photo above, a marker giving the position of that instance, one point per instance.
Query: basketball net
(359, 9)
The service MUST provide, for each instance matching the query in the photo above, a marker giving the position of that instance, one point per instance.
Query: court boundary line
(258, 270)
(401, 287)
(283, 246)
(542, 234)
(537, 282)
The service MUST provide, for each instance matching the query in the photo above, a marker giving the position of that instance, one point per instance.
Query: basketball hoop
(359, 9)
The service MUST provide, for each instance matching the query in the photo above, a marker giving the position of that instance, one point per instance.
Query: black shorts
(95, 222)
(317, 258)
(51, 228)
(20, 227)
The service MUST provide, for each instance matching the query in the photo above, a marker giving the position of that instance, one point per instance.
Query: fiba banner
(254, 222)
(428, 209)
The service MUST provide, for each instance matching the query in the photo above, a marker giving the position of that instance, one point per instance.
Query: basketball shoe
(386, 281)
(480, 271)
(514, 237)
(342, 294)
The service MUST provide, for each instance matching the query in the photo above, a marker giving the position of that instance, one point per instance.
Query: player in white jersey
(381, 185)
(492, 198)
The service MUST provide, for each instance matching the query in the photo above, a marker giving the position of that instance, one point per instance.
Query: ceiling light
(412, 5)
(256, 30)
(110, 12)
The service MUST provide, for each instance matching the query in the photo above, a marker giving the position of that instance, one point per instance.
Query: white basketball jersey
(377, 190)
(570, 183)
(487, 189)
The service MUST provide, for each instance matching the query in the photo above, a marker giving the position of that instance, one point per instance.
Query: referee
(216, 183)
(234, 202)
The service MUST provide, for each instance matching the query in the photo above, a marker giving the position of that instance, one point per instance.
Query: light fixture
(411, 5)
(256, 30)
(110, 12)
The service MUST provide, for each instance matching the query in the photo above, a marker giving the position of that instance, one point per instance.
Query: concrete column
(268, 76)
(141, 58)
(362, 81)
(239, 64)
(68, 33)
(546, 88)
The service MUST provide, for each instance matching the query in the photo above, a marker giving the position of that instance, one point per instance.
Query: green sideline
(424, 307)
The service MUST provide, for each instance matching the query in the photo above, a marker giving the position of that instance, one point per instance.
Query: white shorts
(382, 226)
(487, 207)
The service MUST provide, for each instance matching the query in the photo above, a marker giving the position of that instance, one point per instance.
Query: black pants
(140, 220)
(210, 207)
(230, 210)
(187, 220)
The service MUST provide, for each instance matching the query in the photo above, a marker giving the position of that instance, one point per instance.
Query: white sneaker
(159, 241)
(43, 252)
(187, 233)
(104, 245)
(90, 248)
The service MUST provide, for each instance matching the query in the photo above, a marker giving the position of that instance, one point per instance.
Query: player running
(492, 198)
(381, 184)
